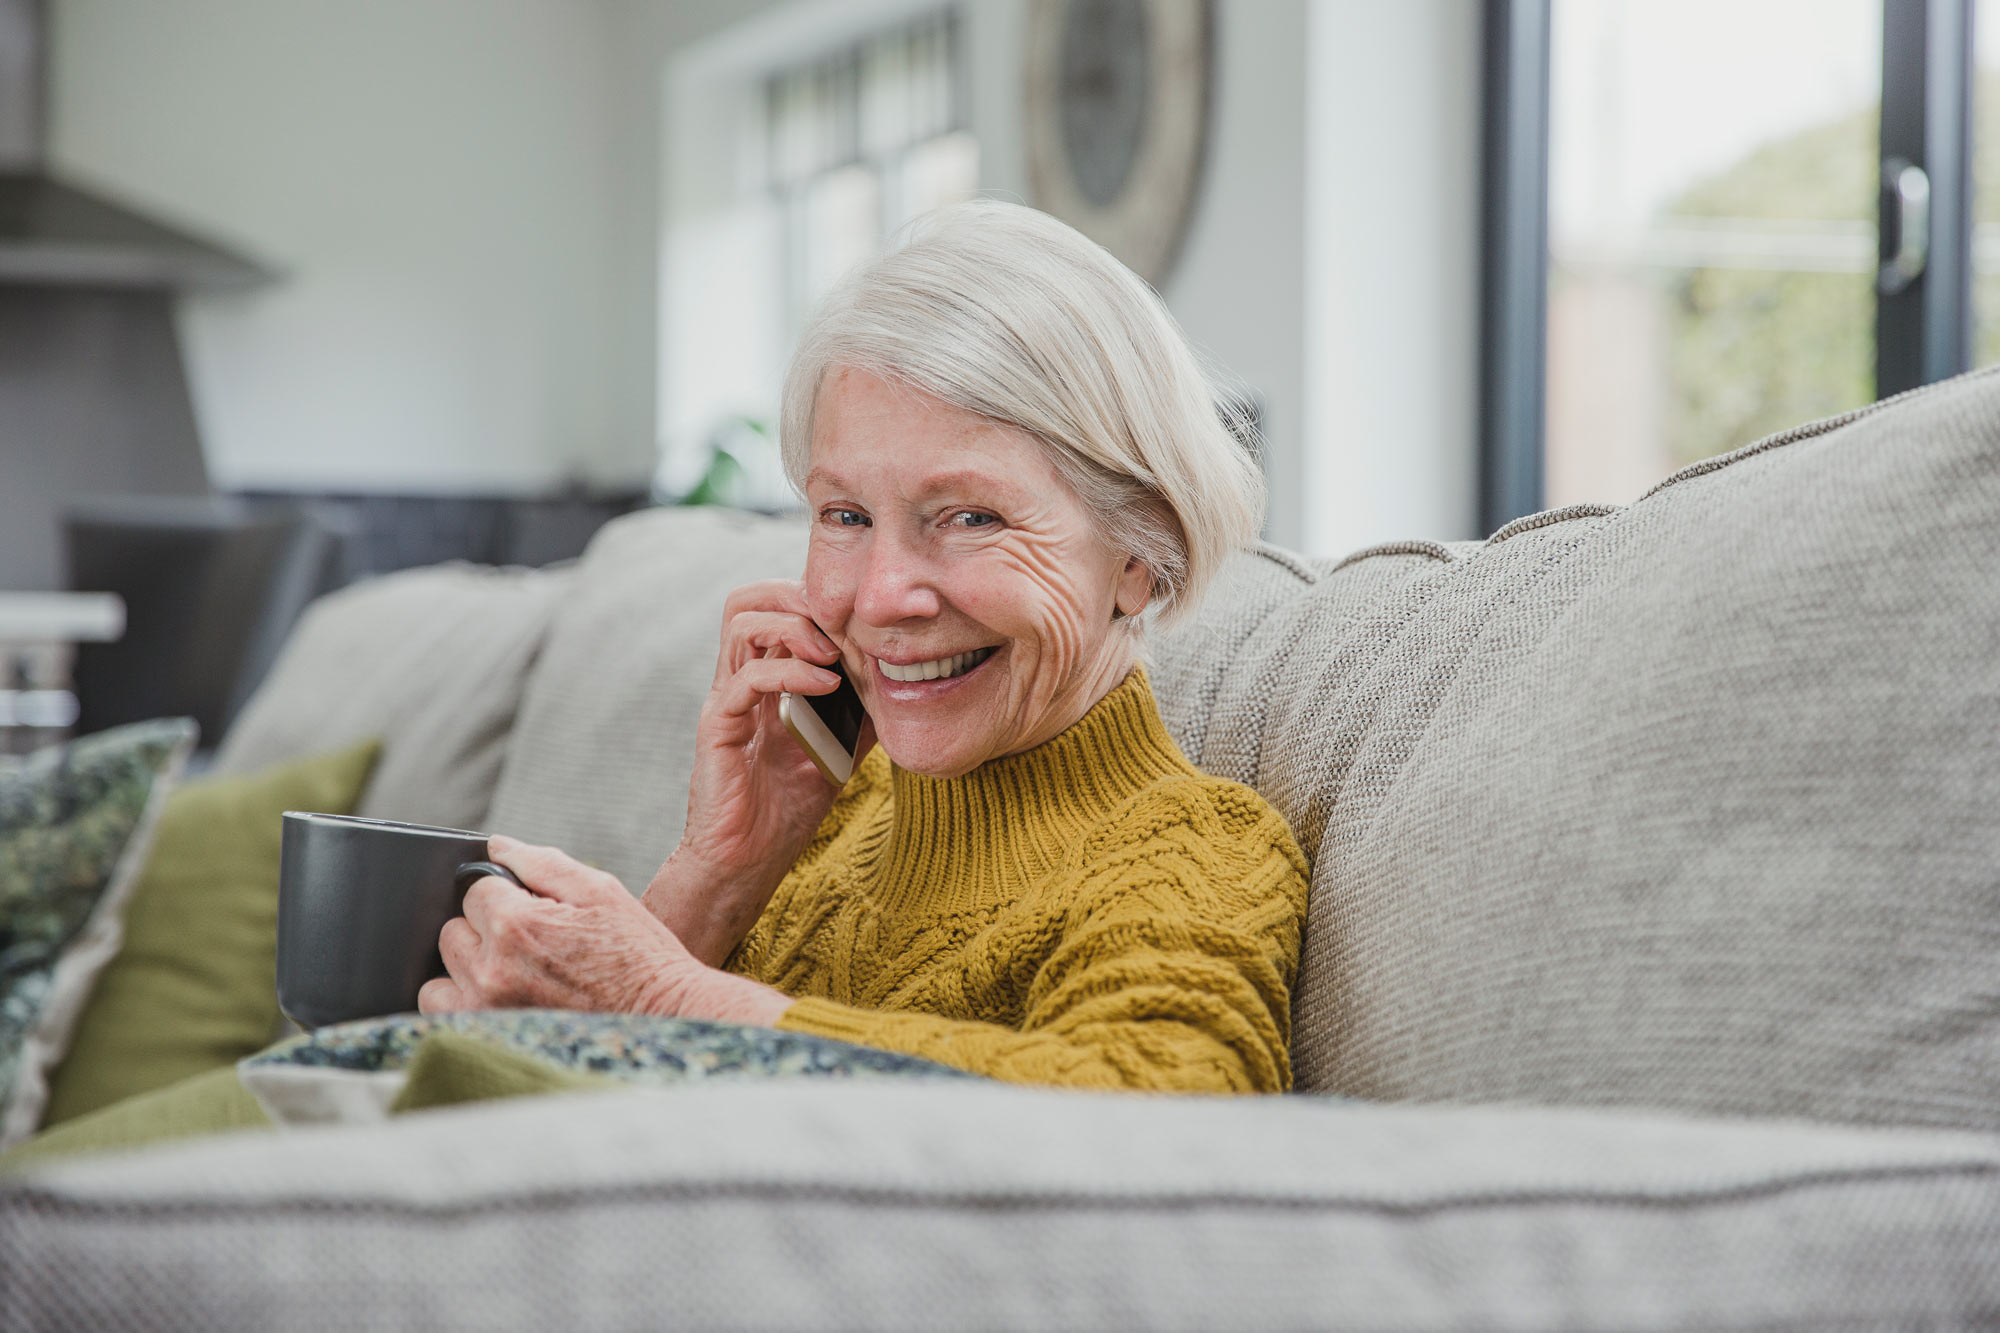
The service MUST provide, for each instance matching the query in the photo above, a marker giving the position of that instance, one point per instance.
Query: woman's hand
(755, 797)
(576, 939)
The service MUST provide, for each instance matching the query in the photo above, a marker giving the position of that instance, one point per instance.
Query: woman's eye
(847, 518)
(972, 519)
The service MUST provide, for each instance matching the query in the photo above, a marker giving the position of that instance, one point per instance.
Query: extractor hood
(54, 233)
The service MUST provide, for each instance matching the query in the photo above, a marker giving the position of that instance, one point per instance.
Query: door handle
(1905, 244)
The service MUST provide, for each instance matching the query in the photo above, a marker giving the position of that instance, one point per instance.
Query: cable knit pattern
(1095, 912)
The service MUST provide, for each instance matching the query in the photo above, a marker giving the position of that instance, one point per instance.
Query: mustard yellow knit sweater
(1095, 912)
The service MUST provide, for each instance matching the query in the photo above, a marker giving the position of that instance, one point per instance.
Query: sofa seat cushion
(1691, 804)
(604, 747)
(963, 1204)
(430, 661)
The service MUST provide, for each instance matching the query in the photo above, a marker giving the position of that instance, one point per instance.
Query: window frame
(1923, 332)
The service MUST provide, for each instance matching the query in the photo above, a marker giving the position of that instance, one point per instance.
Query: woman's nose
(894, 586)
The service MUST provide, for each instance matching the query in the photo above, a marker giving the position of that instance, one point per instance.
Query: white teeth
(938, 668)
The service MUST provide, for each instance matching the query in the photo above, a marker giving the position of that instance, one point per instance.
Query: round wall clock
(1116, 120)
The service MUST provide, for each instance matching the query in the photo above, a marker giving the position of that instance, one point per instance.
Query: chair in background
(211, 586)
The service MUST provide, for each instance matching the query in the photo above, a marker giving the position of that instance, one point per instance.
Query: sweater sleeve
(1172, 971)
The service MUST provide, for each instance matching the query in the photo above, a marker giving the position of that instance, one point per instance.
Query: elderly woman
(1012, 463)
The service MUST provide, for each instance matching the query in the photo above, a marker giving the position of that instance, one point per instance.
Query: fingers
(481, 905)
(766, 619)
(441, 995)
(458, 942)
(754, 634)
(548, 872)
(769, 595)
(770, 676)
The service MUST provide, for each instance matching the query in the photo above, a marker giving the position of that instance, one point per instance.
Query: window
(790, 166)
(1708, 220)
(859, 142)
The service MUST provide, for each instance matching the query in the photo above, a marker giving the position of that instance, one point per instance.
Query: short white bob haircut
(1006, 312)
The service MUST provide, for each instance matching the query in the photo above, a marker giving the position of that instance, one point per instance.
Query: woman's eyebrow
(932, 485)
(941, 483)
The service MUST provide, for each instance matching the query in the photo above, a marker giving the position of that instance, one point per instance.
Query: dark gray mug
(360, 905)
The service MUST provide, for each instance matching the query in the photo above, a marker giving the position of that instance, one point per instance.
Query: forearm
(709, 917)
(1164, 1054)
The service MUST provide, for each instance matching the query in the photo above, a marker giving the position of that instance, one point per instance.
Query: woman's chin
(933, 751)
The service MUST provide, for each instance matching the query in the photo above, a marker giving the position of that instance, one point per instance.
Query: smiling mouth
(938, 668)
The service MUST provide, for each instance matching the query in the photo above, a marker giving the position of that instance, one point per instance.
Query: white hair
(1006, 312)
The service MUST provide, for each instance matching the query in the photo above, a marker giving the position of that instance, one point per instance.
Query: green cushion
(449, 1068)
(192, 987)
(209, 1103)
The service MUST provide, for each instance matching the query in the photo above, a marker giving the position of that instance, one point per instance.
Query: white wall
(1391, 272)
(1236, 289)
(436, 178)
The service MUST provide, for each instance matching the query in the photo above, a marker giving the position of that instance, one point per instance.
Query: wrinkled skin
(577, 939)
(934, 532)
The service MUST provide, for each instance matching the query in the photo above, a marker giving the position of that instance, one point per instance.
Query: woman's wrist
(720, 997)
(686, 896)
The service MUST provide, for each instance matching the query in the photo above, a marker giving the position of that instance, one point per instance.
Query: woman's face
(964, 581)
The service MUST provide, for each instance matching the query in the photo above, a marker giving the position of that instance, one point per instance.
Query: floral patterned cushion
(75, 822)
(301, 1080)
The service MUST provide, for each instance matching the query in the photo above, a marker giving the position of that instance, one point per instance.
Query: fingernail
(500, 842)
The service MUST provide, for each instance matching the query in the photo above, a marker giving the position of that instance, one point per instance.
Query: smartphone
(828, 725)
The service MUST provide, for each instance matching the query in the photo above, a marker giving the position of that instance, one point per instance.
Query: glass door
(1708, 220)
(1712, 230)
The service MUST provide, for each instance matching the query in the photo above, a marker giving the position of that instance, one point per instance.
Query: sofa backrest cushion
(1694, 803)
(604, 747)
(429, 661)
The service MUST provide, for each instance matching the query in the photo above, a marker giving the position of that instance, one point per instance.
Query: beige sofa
(1654, 946)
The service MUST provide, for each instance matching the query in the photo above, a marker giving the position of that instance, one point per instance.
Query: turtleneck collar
(984, 836)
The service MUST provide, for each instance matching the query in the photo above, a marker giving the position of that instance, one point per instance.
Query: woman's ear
(1134, 590)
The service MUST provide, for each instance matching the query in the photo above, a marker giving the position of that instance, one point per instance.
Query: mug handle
(465, 875)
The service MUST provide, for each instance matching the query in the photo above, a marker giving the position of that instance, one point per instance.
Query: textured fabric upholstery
(1692, 804)
(429, 661)
(1194, 662)
(969, 1205)
(1213, 673)
(605, 743)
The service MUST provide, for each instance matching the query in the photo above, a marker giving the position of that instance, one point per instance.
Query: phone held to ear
(827, 725)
